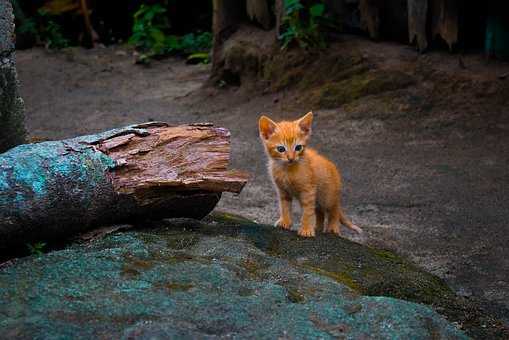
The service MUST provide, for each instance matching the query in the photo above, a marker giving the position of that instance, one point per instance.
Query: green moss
(341, 277)
(305, 70)
(224, 217)
(244, 291)
(332, 68)
(385, 254)
(295, 296)
(361, 84)
(252, 267)
(181, 241)
(129, 273)
(133, 266)
(173, 287)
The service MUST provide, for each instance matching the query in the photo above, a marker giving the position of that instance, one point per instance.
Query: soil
(424, 155)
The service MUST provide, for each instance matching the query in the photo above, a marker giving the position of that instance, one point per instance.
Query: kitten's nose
(290, 156)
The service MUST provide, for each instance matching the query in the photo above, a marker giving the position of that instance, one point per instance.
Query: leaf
(317, 10)
(202, 57)
(158, 36)
(172, 43)
(292, 6)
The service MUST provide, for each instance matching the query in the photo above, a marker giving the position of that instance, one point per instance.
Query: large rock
(222, 278)
(12, 128)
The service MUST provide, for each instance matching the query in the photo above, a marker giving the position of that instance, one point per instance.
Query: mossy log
(54, 190)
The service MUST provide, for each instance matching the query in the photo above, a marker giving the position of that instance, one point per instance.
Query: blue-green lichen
(146, 284)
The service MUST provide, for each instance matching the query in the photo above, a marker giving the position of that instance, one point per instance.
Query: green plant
(150, 23)
(150, 36)
(302, 25)
(50, 32)
(196, 43)
(200, 57)
(36, 249)
(28, 26)
(24, 25)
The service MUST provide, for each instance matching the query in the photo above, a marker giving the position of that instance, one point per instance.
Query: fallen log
(54, 190)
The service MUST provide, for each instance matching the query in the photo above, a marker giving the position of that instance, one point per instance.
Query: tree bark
(445, 20)
(370, 17)
(258, 10)
(279, 9)
(227, 16)
(12, 119)
(54, 190)
(417, 17)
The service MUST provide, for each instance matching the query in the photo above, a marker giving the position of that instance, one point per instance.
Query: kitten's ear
(306, 122)
(267, 127)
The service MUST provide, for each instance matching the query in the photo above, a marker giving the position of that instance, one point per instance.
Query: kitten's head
(285, 141)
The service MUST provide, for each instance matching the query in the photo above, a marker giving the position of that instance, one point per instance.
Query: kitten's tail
(347, 223)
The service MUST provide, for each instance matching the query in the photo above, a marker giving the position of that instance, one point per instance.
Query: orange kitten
(300, 172)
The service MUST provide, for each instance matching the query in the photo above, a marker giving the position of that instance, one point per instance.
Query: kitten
(300, 172)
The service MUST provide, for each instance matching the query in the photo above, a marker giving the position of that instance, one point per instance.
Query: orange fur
(303, 174)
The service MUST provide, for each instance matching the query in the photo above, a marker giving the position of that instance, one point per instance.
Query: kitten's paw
(357, 229)
(306, 232)
(333, 229)
(283, 224)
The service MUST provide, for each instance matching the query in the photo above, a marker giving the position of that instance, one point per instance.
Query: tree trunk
(12, 131)
(227, 16)
(417, 17)
(370, 17)
(445, 20)
(258, 10)
(53, 190)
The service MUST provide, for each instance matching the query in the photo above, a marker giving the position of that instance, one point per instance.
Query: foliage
(150, 36)
(200, 57)
(194, 43)
(302, 25)
(149, 25)
(28, 26)
(24, 25)
(51, 32)
(41, 27)
(36, 249)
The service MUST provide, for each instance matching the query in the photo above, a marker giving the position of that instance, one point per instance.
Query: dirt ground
(425, 167)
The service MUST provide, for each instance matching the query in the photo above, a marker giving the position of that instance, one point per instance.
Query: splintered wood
(179, 158)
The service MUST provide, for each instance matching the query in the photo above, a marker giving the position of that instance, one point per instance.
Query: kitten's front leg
(285, 210)
(308, 204)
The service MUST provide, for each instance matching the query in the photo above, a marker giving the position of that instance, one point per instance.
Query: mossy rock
(366, 270)
(224, 277)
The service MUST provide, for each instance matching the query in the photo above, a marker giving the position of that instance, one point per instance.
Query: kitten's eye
(281, 149)
(299, 147)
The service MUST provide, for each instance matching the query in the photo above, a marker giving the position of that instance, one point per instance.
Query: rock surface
(225, 277)
(12, 131)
